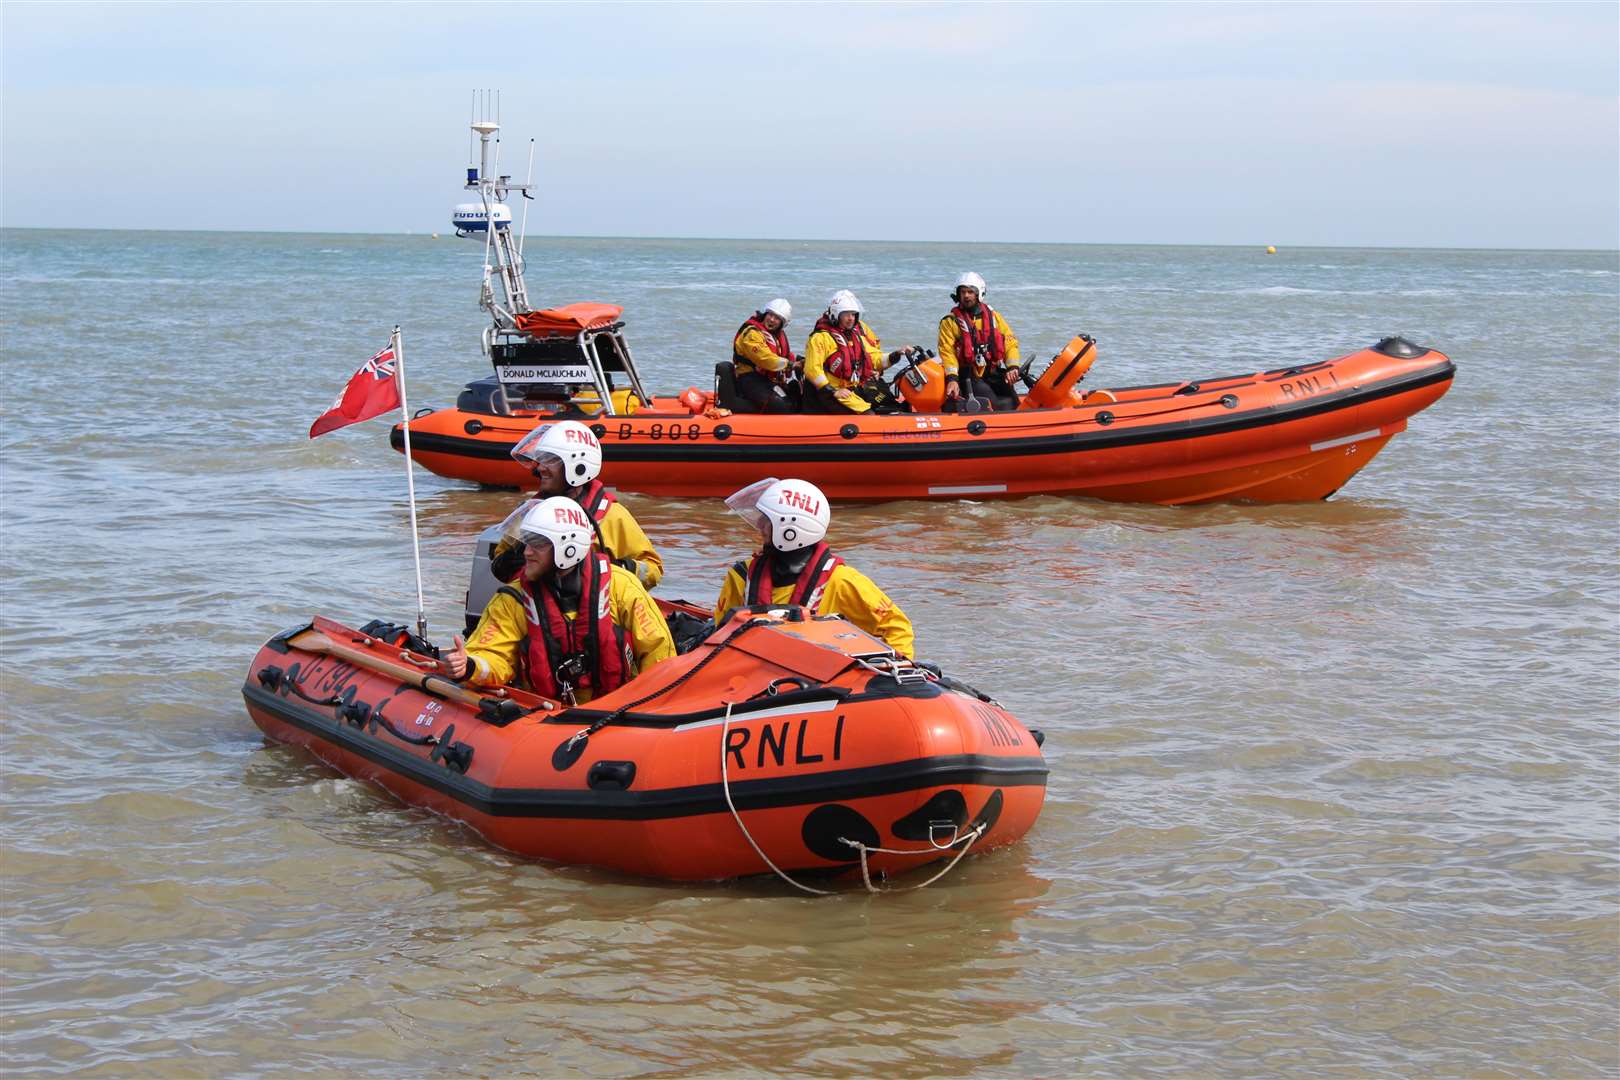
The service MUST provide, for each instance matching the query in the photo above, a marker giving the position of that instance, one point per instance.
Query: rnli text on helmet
(803, 501)
(568, 516)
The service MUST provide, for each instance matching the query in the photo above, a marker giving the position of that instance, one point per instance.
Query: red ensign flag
(372, 391)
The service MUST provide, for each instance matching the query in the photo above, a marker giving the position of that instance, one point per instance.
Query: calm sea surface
(1334, 786)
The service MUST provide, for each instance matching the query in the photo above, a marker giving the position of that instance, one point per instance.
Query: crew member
(764, 362)
(566, 458)
(795, 566)
(977, 348)
(574, 627)
(842, 360)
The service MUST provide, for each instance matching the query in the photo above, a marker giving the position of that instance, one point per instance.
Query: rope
(862, 849)
(415, 740)
(973, 834)
(725, 785)
(294, 688)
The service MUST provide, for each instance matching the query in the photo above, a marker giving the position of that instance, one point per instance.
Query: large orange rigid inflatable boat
(781, 742)
(1290, 434)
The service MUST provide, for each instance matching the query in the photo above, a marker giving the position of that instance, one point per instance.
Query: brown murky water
(1333, 792)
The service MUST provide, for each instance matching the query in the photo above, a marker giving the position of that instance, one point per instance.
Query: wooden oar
(432, 682)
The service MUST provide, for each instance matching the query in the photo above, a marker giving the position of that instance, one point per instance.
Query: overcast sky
(1453, 125)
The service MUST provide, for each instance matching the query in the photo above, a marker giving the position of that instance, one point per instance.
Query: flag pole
(410, 485)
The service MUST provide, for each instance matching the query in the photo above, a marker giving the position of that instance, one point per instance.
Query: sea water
(1333, 788)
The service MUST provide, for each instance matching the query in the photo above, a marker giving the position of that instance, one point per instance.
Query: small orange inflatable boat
(1291, 434)
(782, 742)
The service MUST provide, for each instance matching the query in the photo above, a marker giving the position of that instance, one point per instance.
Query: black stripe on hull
(960, 450)
(811, 789)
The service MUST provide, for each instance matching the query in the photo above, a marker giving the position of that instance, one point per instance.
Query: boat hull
(1290, 435)
(918, 770)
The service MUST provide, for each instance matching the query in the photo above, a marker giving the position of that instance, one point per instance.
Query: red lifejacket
(591, 634)
(850, 362)
(778, 343)
(596, 500)
(807, 591)
(986, 335)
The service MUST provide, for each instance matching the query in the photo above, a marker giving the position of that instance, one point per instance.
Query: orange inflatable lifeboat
(782, 742)
(1293, 433)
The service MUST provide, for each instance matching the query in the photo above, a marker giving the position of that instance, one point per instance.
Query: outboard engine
(485, 395)
(482, 585)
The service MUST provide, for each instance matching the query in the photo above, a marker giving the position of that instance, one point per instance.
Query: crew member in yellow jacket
(566, 458)
(762, 362)
(977, 348)
(573, 627)
(795, 566)
(842, 360)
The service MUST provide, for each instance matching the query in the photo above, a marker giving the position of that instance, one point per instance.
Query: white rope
(977, 831)
(725, 784)
(866, 876)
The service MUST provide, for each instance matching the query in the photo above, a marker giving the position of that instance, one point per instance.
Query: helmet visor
(527, 450)
(511, 525)
(744, 504)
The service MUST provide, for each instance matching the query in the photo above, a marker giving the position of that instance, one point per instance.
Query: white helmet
(780, 308)
(972, 281)
(843, 300)
(571, 442)
(562, 522)
(793, 513)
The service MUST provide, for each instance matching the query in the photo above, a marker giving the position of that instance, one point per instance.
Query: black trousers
(766, 396)
(1003, 398)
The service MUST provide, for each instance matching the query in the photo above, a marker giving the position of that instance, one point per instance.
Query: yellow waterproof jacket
(622, 538)
(502, 634)
(950, 331)
(821, 345)
(755, 353)
(849, 593)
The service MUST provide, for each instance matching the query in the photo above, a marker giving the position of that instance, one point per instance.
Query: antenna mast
(502, 255)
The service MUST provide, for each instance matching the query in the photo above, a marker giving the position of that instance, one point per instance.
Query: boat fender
(946, 810)
(827, 828)
(986, 818)
(611, 775)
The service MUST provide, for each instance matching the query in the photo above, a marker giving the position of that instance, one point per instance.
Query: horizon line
(429, 234)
